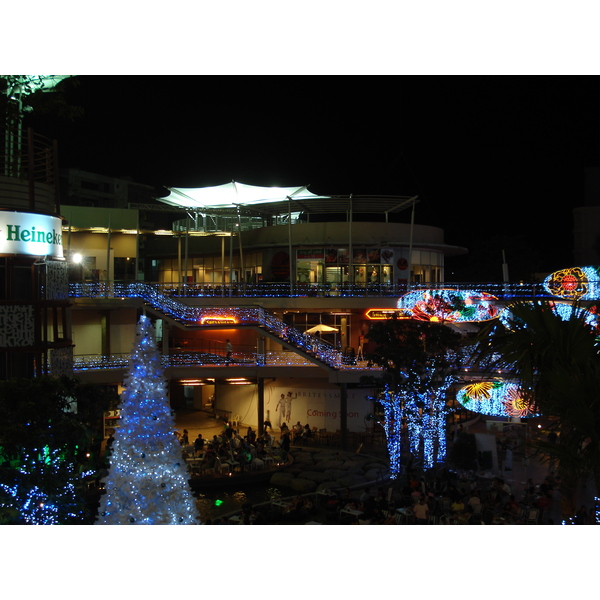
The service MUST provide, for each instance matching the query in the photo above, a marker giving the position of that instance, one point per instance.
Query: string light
(423, 407)
(147, 482)
(450, 305)
(560, 309)
(496, 399)
(576, 283)
(38, 506)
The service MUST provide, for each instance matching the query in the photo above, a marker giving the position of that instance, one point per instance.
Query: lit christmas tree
(147, 482)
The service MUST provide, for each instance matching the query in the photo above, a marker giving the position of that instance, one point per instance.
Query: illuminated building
(35, 334)
(222, 270)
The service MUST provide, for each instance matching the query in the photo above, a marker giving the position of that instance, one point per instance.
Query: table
(403, 514)
(352, 512)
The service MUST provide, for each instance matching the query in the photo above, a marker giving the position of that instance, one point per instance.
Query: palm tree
(557, 363)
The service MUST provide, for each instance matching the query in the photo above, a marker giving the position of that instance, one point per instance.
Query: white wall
(312, 402)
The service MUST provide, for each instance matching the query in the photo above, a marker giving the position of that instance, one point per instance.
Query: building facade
(321, 269)
(35, 326)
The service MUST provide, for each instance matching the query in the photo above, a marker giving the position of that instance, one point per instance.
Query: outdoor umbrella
(320, 328)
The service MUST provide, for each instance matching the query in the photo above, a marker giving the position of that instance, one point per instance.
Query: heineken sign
(27, 233)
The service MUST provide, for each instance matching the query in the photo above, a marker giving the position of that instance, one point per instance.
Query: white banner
(318, 407)
(31, 234)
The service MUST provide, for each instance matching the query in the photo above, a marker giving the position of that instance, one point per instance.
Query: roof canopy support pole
(108, 278)
(137, 248)
(292, 262)
(222, 265)
(187, 237)
(179, 273)
(410, 245)
(242, 270)
(350, 259)
(231, 260)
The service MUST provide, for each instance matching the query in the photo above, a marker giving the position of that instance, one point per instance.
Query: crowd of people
(231, 447)
(476, 500)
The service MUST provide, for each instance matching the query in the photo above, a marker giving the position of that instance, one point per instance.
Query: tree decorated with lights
(417, 359)
(147, 482)
(42, 438)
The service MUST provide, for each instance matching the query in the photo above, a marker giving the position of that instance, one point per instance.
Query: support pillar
(261, 405)
(105, 332)
(344, 415)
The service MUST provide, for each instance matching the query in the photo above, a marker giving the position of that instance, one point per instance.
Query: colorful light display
(563, 310)
(37, 506)
(496, 399)
(422, 406)
(455, 306)
(148, 481)
(577, 283)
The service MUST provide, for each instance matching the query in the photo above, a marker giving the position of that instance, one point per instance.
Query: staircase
(195, 317)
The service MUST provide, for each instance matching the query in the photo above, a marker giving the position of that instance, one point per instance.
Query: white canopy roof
(232, 194)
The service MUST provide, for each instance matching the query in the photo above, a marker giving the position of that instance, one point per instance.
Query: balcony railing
(97, 362)
(116, 289)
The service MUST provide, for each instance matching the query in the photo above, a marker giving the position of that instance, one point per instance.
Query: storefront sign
(310, 254)
(31, 234)
(218, 321)
(379, 314)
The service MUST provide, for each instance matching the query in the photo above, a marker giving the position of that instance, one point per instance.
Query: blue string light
(147, 482)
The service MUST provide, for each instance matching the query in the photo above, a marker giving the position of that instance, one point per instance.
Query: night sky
(496, 161)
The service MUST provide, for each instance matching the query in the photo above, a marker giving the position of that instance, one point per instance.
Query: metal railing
(96, 362)
(503, 291)
(29, 156)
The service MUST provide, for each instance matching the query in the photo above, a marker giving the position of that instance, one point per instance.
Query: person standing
(228, 350)
(199, 444)
(421, 512)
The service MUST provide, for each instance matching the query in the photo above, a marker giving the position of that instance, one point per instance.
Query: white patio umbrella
(320, 328)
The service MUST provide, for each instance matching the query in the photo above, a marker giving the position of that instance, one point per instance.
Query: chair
(532, 517)
(257, 463)
(221, 466)
(234, 464)
(195, 467)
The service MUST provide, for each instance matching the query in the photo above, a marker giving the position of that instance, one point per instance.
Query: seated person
(458, 506)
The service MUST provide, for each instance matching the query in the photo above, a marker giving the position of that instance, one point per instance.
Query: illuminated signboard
(379, 314)
(31, 234)
(217, 321)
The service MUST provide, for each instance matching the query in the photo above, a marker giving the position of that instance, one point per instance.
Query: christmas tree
(147, 482)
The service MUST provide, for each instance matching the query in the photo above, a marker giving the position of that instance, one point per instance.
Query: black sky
(501, 155)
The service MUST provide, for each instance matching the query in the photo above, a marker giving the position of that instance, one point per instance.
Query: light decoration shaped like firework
(496, 399)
